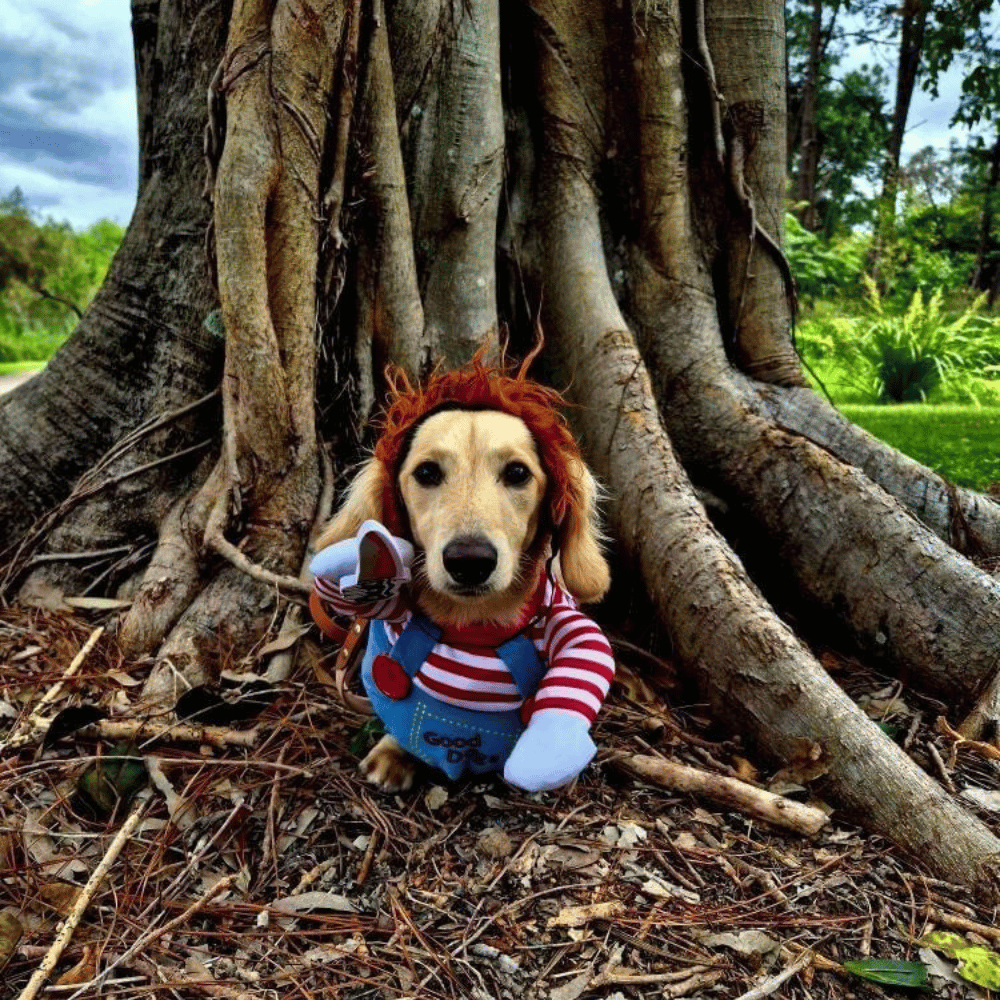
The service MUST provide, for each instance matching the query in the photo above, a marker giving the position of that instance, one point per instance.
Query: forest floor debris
(261, 864)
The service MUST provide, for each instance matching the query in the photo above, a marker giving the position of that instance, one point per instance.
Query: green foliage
(48, 275)
(891, 972)
(907, 357)
(823, 267)
(977, 964)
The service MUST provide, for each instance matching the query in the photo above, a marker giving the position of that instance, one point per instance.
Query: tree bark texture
(391, 182)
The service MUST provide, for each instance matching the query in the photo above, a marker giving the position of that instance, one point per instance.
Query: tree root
(966, 520)
(753, 669)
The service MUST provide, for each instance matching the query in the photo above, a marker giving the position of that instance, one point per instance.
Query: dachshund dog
(469, 537)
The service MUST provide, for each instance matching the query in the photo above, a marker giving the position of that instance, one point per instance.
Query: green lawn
(962, 443)
(16, 367)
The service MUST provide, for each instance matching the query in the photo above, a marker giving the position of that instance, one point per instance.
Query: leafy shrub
(820, 267)
(918, 354)
(20, 342)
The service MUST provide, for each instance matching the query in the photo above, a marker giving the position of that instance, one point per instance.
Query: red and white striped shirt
(464, 669)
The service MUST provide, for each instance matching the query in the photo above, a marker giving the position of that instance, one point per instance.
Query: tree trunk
(809, 133)
(913, 21)
(390, 183)
(982, 278)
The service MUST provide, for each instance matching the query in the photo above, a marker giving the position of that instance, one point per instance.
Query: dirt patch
(10, 382)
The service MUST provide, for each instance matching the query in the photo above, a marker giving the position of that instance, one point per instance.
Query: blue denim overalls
(456, 740)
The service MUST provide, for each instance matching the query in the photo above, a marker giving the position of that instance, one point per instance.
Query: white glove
(551, 752)
(373, 565)
(335, 560)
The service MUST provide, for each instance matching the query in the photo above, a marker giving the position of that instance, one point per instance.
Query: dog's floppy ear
(582, 566)
(364, 501)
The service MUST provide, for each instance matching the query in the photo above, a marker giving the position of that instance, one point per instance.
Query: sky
(68, 134)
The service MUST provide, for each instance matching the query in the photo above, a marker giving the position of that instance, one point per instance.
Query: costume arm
(365, 575)
(581, 665)
(556, 745)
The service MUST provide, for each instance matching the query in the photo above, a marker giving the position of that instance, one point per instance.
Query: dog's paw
(389, 767)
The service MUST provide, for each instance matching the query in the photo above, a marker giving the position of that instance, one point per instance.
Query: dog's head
(479, 469)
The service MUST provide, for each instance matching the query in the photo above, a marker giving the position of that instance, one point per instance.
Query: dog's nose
(469, 560)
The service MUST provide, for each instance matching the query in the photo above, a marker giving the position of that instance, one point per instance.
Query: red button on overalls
(390, 677)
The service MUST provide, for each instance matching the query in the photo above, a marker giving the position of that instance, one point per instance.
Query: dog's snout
(469, 560)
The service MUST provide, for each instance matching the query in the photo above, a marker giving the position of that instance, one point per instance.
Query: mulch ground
(261, 865)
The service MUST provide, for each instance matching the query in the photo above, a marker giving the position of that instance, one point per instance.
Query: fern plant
(905, 358)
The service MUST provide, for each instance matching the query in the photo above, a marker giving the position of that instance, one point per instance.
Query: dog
(473, 531)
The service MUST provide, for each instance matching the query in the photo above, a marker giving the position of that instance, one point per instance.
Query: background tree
(390, 183)
(986, 272)
(48, 275)
(839, 127)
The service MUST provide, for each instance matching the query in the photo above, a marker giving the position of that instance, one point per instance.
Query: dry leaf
(495, 842)
(623, 834)
(577, 916)
(10, 935)
(126, 680)
(306, 902)
(436, 797)
(750, 942)
(97, 603)
(83, 971)
(284, 640)
(576, 987)
(36, 594)
(183, 813)
(59, 896)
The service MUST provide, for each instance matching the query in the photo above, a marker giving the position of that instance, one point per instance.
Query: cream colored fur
(472, 449)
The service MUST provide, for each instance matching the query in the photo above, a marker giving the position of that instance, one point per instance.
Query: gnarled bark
(752, 667)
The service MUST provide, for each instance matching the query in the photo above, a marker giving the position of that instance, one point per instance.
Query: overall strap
(415, 643)
(521, 658)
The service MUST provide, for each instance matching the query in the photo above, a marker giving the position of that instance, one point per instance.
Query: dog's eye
(428, 474)
(515, 474)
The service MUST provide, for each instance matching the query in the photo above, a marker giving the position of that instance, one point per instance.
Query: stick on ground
(69, 925)
(736, 794)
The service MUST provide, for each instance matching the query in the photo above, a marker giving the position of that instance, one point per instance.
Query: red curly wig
(480, 386)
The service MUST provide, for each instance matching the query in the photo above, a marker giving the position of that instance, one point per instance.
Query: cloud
(67, 108)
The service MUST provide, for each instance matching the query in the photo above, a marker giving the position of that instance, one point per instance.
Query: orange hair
(478, 386)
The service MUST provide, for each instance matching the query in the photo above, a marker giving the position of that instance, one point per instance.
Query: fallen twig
(618, 976)
(773, 983)
(36, 721)
(957, 923)
(178, 732)
(153, 933)
(731, 792)
(69, 925)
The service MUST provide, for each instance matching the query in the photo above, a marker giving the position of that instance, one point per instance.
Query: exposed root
(98, 499)
(966, 520)
(174, 576)
(753, 669)
(904, 596)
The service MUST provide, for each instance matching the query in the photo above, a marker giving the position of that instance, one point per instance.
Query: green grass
(962, 443)
(17, 367)
(22, 343)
